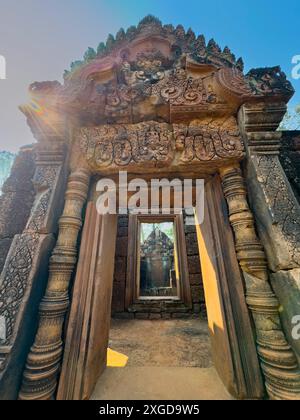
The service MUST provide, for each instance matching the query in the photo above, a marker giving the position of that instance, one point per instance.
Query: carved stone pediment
(144, 146)
(151, 73)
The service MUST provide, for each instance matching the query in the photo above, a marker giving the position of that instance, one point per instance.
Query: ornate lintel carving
(153, 144)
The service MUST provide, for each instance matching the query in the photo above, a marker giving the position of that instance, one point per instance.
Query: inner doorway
(157, 269)
(159, 345)
(108, 257)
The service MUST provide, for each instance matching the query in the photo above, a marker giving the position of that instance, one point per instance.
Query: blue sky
(39, 39)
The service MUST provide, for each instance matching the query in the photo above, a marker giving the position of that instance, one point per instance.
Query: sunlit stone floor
(160, 360)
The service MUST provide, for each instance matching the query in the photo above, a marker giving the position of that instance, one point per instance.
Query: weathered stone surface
(179, 315)
(154, 316)
(124, 315)
(15, 210)
(120, 270)
(195, 279)
(290, 159)
(277, 212)
(108, 148)
(197, 294)
(122, 222)
(16, 200)
(194, 265)
(118, 299)
(22, 172)
(4, 248)
(141, 316)
(203, 311)
(192, 244)
(32, 199)
(122, 231)
(286, 285)
(197, 308)
(121, 248)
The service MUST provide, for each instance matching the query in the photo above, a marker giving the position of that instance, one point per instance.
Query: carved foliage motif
(14, 283)
(174, 88)
(207, 142)
(124, 144)
(15, 277)
(284, 207)
(44, 179)
(156, 144)
(181, 89)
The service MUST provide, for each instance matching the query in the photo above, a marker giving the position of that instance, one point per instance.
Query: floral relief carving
(282, 204)
(206, 142)
(15, 278)
(159, 143)
(44, 179)
(14, 283)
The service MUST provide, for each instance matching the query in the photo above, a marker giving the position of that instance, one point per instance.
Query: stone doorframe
(227, 311)
(131, 297)
(234, 352)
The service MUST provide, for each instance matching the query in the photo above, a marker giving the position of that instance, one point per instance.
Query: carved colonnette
(43, 362)
(278, 361)
(21, 281)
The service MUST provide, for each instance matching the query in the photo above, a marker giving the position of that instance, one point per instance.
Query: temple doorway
(159, 342)
(167, 285)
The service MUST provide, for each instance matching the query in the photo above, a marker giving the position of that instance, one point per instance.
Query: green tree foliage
(90, 54)
(6, 161)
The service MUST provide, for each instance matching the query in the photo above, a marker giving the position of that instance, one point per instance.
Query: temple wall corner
(275, 206)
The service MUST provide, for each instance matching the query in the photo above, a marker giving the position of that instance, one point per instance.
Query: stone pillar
(43, 363)
(276, 211)
(277, 359)
(22, 281)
